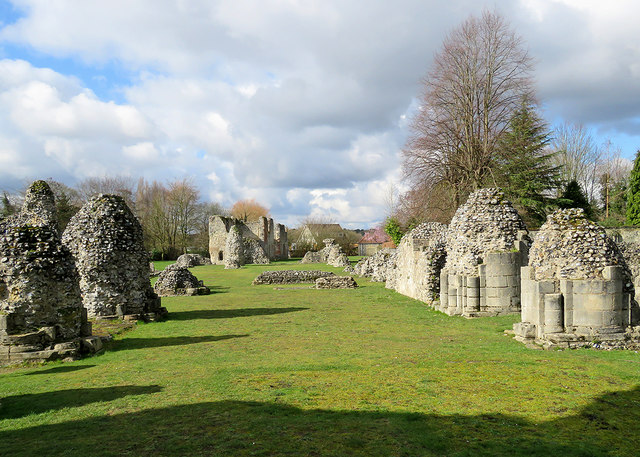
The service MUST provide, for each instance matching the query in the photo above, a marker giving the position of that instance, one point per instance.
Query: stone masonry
(261, 241)
(420, 257)
(290, 276)
(331, 254)
(336, 282)
(176, 280)
(380, 267)
(106, 241)
(41, 313)
(487, 243)
(577, 288)
(192, 260)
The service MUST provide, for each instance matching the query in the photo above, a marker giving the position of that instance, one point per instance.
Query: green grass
(250, 370)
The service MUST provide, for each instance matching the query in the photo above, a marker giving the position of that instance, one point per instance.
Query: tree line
(479, 124)
(173, 215)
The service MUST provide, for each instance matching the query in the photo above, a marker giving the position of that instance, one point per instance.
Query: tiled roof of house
(375, 236)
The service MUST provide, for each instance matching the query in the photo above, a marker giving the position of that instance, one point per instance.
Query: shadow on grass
(232, 428)
(229, 313)
(218, 289)
(141, 343)
(22, 405)
(62, 369)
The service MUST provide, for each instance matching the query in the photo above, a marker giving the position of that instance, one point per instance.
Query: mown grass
(250, 370)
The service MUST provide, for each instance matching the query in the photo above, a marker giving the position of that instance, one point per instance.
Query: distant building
(372, 241)
(313, 234)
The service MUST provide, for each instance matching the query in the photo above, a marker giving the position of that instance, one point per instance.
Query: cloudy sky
(300, 104)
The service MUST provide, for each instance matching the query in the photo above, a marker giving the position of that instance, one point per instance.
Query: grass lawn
(253, 371)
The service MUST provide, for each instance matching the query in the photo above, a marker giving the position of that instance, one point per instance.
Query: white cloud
(302, 105)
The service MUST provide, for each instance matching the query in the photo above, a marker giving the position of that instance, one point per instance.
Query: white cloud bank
(301, 105)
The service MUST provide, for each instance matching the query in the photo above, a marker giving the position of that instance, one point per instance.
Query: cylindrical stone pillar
(473, 294)
(553, 313)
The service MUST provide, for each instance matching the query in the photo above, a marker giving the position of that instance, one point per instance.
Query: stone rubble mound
(177, 280)
(192, 260)
(331, 254)
(487, 222)
(378, 267)
(290, 276)
(106, 241)
(569, 246)
(336, 282)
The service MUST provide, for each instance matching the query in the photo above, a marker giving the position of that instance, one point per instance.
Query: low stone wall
(336, 282)
(290, 276)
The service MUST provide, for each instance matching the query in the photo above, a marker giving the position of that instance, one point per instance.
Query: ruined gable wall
(218, 230)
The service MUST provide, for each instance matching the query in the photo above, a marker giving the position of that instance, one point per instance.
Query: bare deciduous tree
(477, 82)
(578, 156)
(248, 210)
(116, 185)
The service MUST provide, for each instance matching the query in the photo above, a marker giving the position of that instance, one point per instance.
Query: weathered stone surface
(420, 257)
(487, 222)
(263, 241)
(41, 313)
(234, 250)
(178, 281)
(336, 282)
(577, 288)
(192, 260)
(380, 267)
(569, 246)
(331, 254)
(106, 241)
(290, 276)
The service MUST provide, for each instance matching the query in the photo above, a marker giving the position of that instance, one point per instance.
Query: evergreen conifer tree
(574, 197)
(524, 167)
(633, 195)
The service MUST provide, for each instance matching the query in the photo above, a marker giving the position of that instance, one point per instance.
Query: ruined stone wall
(380, 267)
(420, 258)
(487, 243)
(281, 242)
(106, 241)
(41, 312)
(577, 287)
(219, 227)
(331, 254)
(258, 239)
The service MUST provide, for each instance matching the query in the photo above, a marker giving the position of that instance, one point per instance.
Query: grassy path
(250, 370)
